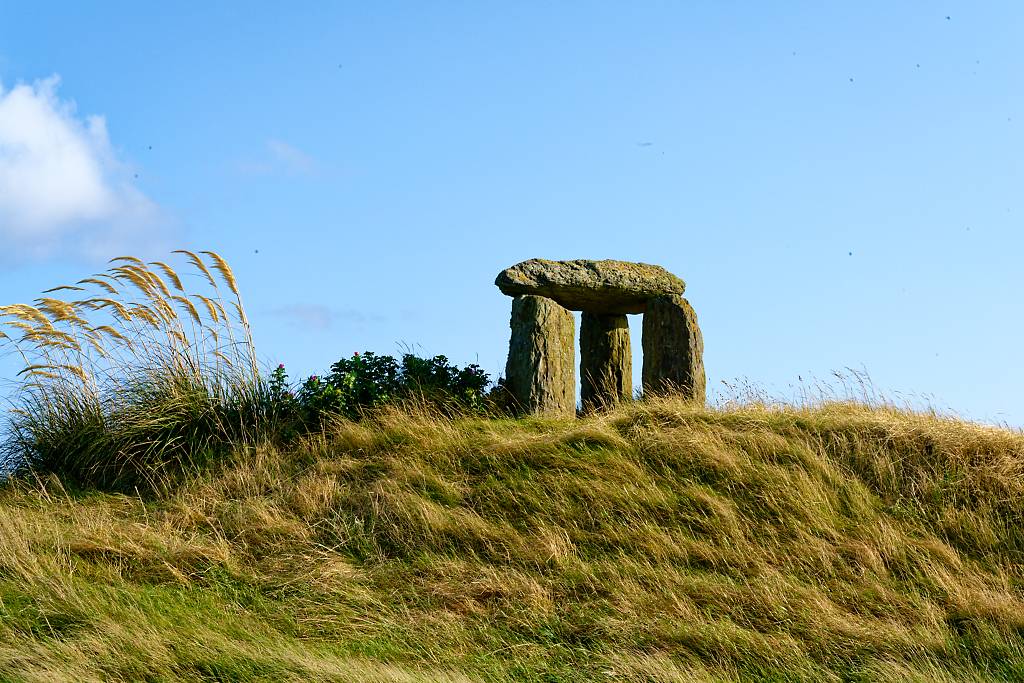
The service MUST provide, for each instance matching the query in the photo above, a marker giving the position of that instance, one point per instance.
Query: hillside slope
(661, 542)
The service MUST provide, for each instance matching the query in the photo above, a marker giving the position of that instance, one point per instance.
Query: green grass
(659, 542)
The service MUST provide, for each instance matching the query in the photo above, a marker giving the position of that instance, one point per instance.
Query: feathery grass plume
(74, 370)
(24, 312)
(110, 331)
(32, 368)
(64, 287)
(43, 325)
(21, 325)
(133, 276)
(55, 308)
(171, 274)
(229, 278)
(158, 281)
(221, 266)
(54, 335)
(101, 302)
(216, 312)
(143, 312)
(43, 374)
(60, 311)
(198, 263)
(97, 280)
(227, 361)
(95, 341)
(189, 307)
(166, 311)
(239, 312)
(129, 259)
(224, 269)
(117, 390)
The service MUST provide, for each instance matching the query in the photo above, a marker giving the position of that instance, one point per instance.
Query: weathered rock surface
(540, 372)
(673, 349)
(610, 287)
(606, 362)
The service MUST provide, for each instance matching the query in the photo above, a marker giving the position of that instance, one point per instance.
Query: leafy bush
(367, 380)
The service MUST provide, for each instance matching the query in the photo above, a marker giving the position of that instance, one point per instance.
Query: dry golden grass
(130, 378)
(134, 321)
(658, 542)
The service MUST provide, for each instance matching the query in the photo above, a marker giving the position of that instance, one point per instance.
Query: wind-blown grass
(135, 376)
(659, 542)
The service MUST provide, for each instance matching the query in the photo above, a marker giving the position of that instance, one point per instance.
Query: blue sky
(838, 183)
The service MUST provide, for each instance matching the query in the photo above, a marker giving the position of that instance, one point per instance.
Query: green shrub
(367, 380)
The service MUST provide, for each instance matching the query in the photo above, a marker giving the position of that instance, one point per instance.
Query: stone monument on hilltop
(540, 373)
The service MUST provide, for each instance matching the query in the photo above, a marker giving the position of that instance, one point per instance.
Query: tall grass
(136, 375)
(657, 541)
(660, 541)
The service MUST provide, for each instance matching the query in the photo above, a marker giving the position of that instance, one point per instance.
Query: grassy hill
(660, 542)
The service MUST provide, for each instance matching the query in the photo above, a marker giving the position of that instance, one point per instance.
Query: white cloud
(320, 318)
(62, 188)
(281, 158)
(291, 158)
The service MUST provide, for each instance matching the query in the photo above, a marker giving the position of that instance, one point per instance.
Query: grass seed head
(110, 331)
(145, 314)
(211, 307)
(198, 263)
(224, 269)
(158, 281)
(24, 312)
(110, 289)
(122, 312)
(133, 276)
(58, 310)
(128, 259)
(189, 307)
(170, 274)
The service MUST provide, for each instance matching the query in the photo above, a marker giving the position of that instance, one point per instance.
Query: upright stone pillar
(606, 362)
(540, 373)
(673, 349)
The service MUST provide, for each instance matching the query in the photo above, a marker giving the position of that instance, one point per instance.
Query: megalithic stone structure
(593, 286)
(540, 372)
(606, 361)
(673, 349)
